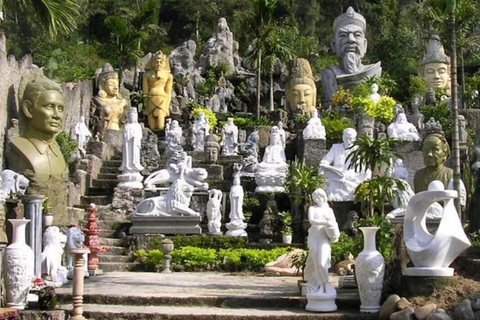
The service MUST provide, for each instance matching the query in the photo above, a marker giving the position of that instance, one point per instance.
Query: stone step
(98, 200)
(108, 176)
(112, 163)
(111, 242)
(106, 233)
(111, 250)
(104, 183)
(100, 191)
(109, 170)
(151, 312)
(105, 258)
(116, 266)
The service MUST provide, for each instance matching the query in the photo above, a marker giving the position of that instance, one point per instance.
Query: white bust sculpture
(51, 257)
(432, 254)
(341, 181)
(229, 138)
(272, 171)
(214, 213)
(201, 130)
(75, 239)
(314, 128)
(374, 95)
(323, 231)
(132, 144)
(403, 130)
(236, 226)
(83, 134)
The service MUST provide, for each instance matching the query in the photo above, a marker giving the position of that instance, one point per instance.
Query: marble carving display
(214, 213)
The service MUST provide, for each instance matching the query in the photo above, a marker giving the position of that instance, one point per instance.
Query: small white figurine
(214, 213)
(229, 138)
(403, 130)
(236, 226)
(375, 96)
(83, 135)
(322, 232)
(314, 128)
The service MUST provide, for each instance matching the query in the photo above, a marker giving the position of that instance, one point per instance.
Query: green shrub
(248, 259)
(417, 85)
(67, 146)
(195, 259)
(362, 90)
(441, 113)
(475, 239)
(344, 246)
(152, 260)
(209, 115)
(202, 241)
(334, 124)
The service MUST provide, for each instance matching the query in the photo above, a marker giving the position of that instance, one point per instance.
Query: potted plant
(299, 261)
(47, 298)
(286, 219)
(47, 215)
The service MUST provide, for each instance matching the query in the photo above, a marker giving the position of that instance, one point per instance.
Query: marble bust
(212, 149)
(435, 65)
(300, 91)
(111, 105)
(341, 180)
(322, 232)
(314, 128)
(35, 153)
(403, 130)
(157, 85)
(375, 96)
(272, 171)
(230, 138)
(349, 45)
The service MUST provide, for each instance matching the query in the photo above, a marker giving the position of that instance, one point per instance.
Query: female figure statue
(201, 130)
(236, 226)
(132, 138)
(229, 138)
(157, 84)
(323, 231)
(110, 103)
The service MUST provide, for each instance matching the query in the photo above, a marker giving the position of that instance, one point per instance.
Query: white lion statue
(53, 243)
(12, 182)
(75, 239)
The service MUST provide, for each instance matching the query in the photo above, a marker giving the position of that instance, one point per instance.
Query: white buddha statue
(403, 130)
(314, 128)
(272, 171)
(341, 181)
(375, 96)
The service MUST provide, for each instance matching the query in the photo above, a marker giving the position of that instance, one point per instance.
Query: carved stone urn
(18, 266)
(369, 271)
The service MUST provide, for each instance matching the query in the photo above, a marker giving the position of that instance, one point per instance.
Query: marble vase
(18, 267)
(369, 271)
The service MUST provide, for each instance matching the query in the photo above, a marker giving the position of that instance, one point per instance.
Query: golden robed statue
(157, 85)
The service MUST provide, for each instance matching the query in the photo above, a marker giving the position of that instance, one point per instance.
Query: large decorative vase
(18, 264)
(369, 271)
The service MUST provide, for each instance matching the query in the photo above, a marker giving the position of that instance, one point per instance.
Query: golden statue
(157, 85)
(301, 92)
(111, 105)
(435, 65)
(35, 153)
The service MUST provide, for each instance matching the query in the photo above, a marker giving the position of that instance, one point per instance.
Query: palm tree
(53, 16)
(260, 20)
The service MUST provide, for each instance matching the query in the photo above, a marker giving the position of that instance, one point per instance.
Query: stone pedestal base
(313, 151)
(215, 171)
(236, 229)
(165, 225)
(424, 286)
(131, 180)
(347, 282)
(321, 302)
(429, 272)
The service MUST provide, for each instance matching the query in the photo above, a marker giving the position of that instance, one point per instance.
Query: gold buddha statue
(35, 153)
(111, 105)
(157, 85)
(435, 65)
(301, 92)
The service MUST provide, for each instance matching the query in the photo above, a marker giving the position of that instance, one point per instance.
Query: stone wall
(77, 98)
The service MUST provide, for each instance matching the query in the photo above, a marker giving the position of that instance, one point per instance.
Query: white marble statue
(75, 240)
(229, 138)
(132, 143)
(175, 202)
(200, 130)
(432, 254)
(341, 181)
(168, 175)
(83, 134)
(403, 130)
(322, 232)
(214, 213)
(173, 138)
(51, 257)
(281, 131)
(375, 96)
(314, 128)
(402, 198)
(12, 183)
(236, 226)
(272, 171)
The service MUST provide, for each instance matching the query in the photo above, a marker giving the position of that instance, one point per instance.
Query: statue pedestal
(321, 302)
(165, 225)
(424, 286)
(312, 150)
(215, 171)
(131, 180)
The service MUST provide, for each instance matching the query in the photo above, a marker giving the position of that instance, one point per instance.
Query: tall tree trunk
(462, 76)
(455, 135)
(271, 91)
(259, 80)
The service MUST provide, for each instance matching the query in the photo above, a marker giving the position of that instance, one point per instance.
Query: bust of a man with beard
(350, 46)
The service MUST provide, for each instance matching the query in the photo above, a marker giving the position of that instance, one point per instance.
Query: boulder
(439, 314)
(388, 307)
(423, 312)
(463, 311)
(406, 314)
